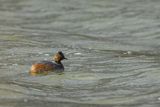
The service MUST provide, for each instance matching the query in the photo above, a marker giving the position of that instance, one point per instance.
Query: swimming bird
(43, 67)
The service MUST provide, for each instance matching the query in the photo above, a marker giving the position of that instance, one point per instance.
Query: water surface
(112, 47)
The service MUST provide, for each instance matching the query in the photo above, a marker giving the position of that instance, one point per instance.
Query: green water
(112, 47)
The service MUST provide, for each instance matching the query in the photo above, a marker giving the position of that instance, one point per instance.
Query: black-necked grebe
(44, 67)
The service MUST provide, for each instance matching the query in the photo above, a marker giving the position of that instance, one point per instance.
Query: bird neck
(58, 62)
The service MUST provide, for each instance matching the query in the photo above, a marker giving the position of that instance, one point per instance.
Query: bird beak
(66, 58)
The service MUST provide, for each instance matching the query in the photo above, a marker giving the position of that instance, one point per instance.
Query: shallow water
(112, 47)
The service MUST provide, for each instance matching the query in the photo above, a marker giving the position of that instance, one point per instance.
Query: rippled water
(113, 47)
